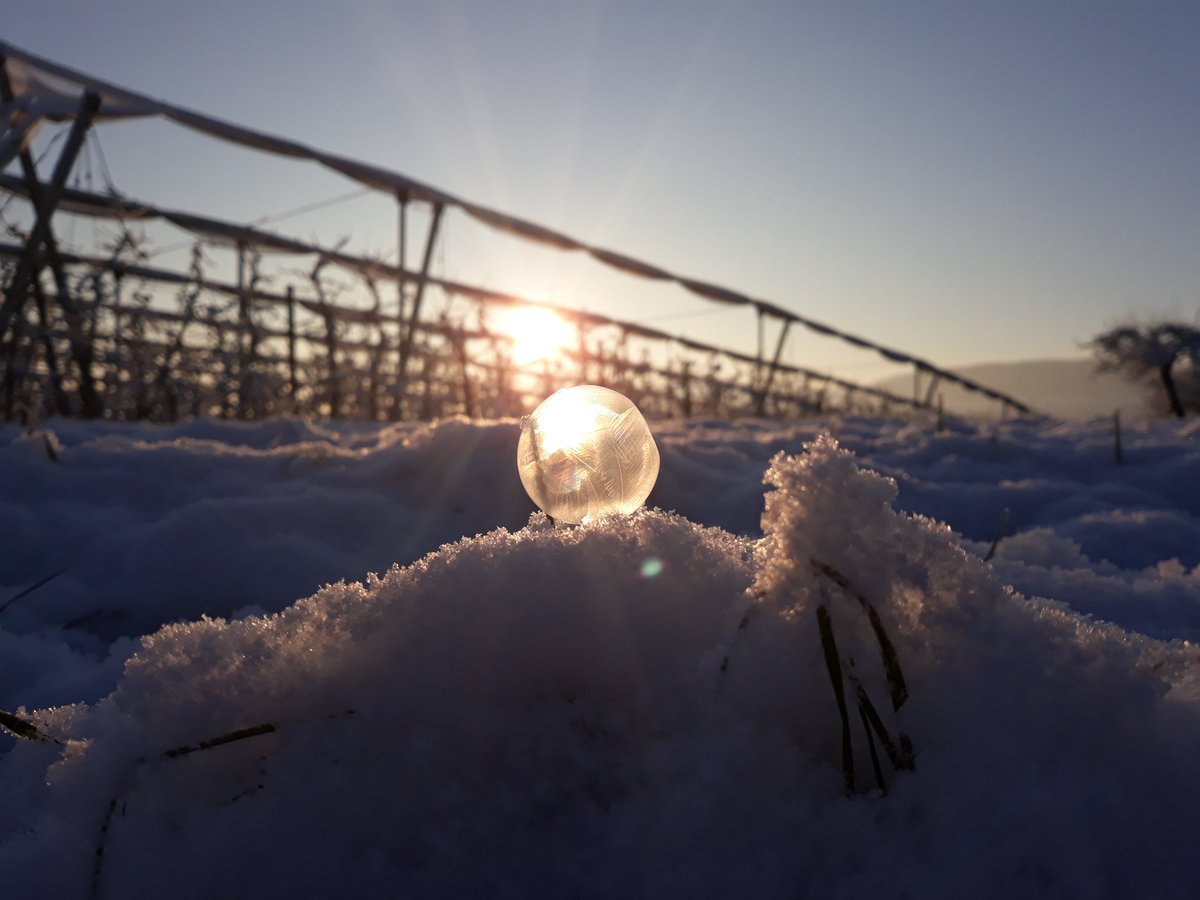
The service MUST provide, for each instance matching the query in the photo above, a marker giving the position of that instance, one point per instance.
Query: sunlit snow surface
(553, 712)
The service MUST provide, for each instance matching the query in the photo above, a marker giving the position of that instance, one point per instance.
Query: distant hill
(1064, 388)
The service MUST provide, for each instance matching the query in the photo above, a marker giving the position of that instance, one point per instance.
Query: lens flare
(652, 567)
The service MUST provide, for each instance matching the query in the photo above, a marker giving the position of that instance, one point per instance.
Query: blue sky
(966, 181)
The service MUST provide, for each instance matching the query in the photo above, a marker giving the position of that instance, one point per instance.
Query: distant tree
(1169, 350)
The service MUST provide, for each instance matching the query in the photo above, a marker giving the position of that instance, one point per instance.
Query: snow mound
(636, 707)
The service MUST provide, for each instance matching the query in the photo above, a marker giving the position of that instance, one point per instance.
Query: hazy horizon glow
(966, 182)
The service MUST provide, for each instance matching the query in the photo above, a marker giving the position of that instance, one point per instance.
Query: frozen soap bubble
(586, 451)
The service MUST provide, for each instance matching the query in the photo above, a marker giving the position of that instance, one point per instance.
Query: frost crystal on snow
(586, 452)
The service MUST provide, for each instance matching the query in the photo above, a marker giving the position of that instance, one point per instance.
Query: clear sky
(967, 181)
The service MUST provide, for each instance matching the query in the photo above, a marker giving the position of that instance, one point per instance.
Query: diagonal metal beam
(930, 392)
(406, 340)
(44, 203)
(760, 402)
(41, 234)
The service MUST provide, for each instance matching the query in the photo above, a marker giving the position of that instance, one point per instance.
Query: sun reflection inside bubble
(570, 423)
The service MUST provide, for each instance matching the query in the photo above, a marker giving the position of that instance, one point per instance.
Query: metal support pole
(243, 337)
(401, 290)
(335, 375)
(932, 389)
(686, 379)
(468, 392)
(406, 340)
(61, 403)
(293, 381)
(761, 402)
(758, 353)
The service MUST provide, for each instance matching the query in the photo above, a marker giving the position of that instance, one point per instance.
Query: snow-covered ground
(635, 707)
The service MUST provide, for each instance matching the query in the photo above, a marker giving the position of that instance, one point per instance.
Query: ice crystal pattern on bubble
(586, 452)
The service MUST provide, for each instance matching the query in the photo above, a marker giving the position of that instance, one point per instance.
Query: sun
(537, 333)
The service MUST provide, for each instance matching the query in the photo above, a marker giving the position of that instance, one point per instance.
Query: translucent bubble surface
(585, 452)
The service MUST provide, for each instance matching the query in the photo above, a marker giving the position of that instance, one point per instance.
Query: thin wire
(688, 315)
(41, 156)
(82, 177)
(10, 199)
(178, 245)
(275, 217)
(108, 179)
(443, 240)
(320, 204)
(86, 175)
(58, 136)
